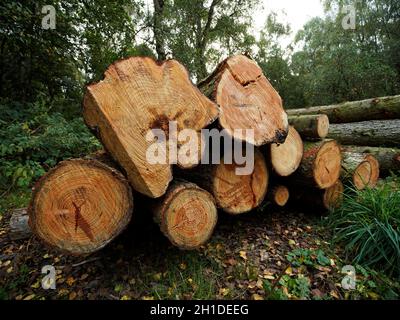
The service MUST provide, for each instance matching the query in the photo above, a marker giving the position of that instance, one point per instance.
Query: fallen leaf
(243, 255)
(147, 298)
(70, 281)
(72, 295)
(292, 242)
(125, 297)
(30, 297)
(223, 292)
(256, 296)
(183, 266)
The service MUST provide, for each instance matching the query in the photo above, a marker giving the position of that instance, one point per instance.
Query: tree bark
(187, 215)
(286, 157)
(234, 194)
(368, 133)
(388, 158)
(314, 127)
(80, 205)
(320, 165)
(278, 195)
(136, 96)
(361, 169)
(371, 109)
(19, 227)
(158, 29)
(247, 101)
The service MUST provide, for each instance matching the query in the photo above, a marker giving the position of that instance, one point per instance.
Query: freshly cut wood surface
(286, 157)
(234, 194)
(187, 215)
(247, 101)
(388, 158)
(320, 165)
(137, 95)
(361, 169)
(80, 205)
(368, 133)
(314, 127)
(371, 109)
(279, 195)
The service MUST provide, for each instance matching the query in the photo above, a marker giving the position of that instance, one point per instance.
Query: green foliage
(368, 225)
(300, 256)
(32, 140)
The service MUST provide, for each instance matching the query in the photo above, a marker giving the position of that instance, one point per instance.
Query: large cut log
(356, 111)
(234, 193)
(187, 215)
(80, 205)
(19, 227)
(361, 169)
(286, 157)
(278, 195)
(388, 158)
(313, 127)
(330, 198)
(368, 133)
(320, 165)
(247, 101)
(136, 96)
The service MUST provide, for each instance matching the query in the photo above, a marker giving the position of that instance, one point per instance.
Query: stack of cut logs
(82, 204)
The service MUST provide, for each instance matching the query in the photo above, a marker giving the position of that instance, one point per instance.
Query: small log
(383, 108)
(361, 169)
(187, 215)
(368, 133)
(320, 165)
(247, 101)
(235, 194)
(137, 95)
(286, 157)
(19, 227)
(279, 195)
(80, 206)
(313, 127)
(388, 158)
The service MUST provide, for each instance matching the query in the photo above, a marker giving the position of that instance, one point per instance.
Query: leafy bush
(368, 224)
(33, 139)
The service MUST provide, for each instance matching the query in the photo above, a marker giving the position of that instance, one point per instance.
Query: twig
(85, 261)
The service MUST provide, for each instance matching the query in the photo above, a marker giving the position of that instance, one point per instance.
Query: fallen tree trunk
(388, 158)
(368, 133)
(187, 215)
(315, 127)
(371, 109)
(247, 101)
(320, 165)
(233, 193)
(279, 195)
(80, 205)
(286, 157)
(329, 199)
(19, 227)
(137, 97)
(361, 169)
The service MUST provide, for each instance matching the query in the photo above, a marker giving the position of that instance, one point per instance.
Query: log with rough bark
(377, 133)
(80, 205)
(187, 215)
(330, 198)
(136, 96)
(234, 193)
(286, 157)
(355, 111)
(247, 101)
(361, 169)
(388, 158)
(19, 227)
(278, 195)
(320, 165)
(315, 127)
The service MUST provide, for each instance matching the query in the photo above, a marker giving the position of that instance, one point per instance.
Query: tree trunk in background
(158, 29)
(247, 101)
(361, 169)
(320, 166)
(136, 96)
(315, 127)
(356, 111)
(186, 214)
(234, 194)
(368, 133)
(80, 205)
(388, 158)
(286, 157)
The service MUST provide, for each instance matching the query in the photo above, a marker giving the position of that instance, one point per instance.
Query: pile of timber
(82, 204)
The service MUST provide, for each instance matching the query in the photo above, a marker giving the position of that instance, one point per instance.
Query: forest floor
(266, 254)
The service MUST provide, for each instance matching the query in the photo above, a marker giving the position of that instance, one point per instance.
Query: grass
(368, 225)
(13, 200)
